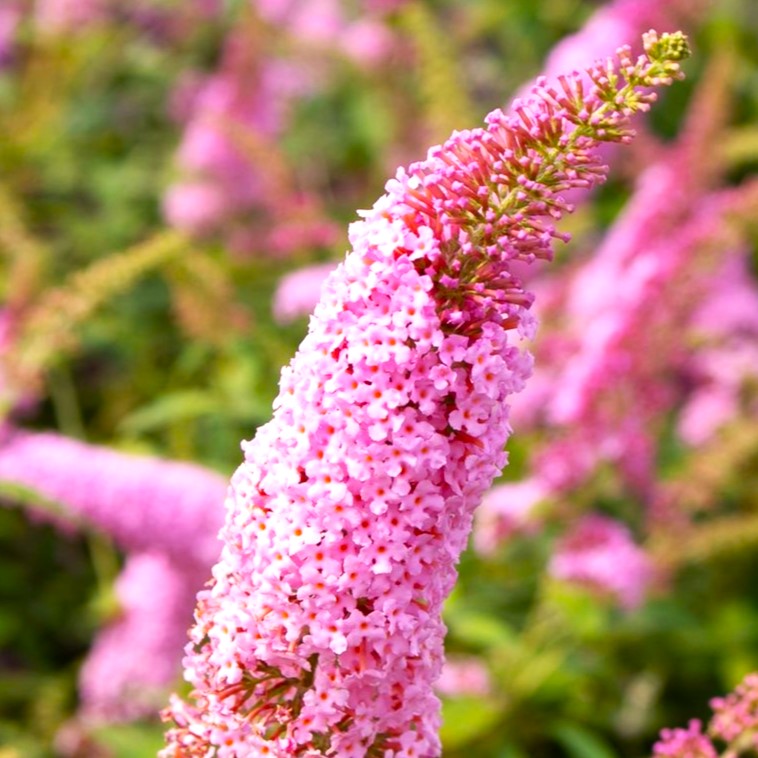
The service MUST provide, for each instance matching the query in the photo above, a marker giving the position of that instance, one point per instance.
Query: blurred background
(176, 179)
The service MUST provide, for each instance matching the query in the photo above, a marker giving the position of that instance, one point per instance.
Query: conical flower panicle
(321, 634)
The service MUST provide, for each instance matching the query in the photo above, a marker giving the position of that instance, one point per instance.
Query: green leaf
(580, 742)
(466, 718)
(511, 750)
(177, 406)
(131, 740)
(30, 498)
(477, 629)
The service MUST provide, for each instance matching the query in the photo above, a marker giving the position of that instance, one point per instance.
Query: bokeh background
(175, 180)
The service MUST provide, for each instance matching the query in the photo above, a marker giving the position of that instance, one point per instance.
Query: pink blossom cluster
(165, 516)
(506, 510)
(631, 333)
(321, 633)
(599, 553)
(328, 25)
(233, 179)
(135, 656)
(143, 503)
(734, 723)
(609, 27)
(463, 676)
(735, 716)
(725, 328)
(685, 743)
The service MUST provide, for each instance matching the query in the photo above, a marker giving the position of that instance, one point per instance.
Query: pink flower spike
(734, 722)
(737, 713)
(142, 503)
(136, 658)
(684, 743)
(279, 656)
(599, 553)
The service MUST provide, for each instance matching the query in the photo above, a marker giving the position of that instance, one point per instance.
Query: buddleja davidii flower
(605, 30)
(492, 196)
(734, 724)
(135, 658)
(143, 503)
(600, 554)
(322, 634)
(616, 341)
(613, 23)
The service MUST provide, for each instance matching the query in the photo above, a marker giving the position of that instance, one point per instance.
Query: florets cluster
(600, 554)
(321, 633)
(134, 658)
(734, 723)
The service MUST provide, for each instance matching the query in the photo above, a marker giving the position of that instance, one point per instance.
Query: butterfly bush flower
(166, 516)
(321, 633)
(298, 293)
(135, 658)
(611, 25)
(725, 325)
(685, 743)
(506, 510)
(142, 503)
(230, 172)
(599, 553)
(734, 724)
(735, 716)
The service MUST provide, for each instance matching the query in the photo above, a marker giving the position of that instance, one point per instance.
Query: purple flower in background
(298, 292)
(166, 516)
(725, 328)
(507, 510)
(234, 180)
(599, 553)
(327, 25)
(142, 503)
(135, 658)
